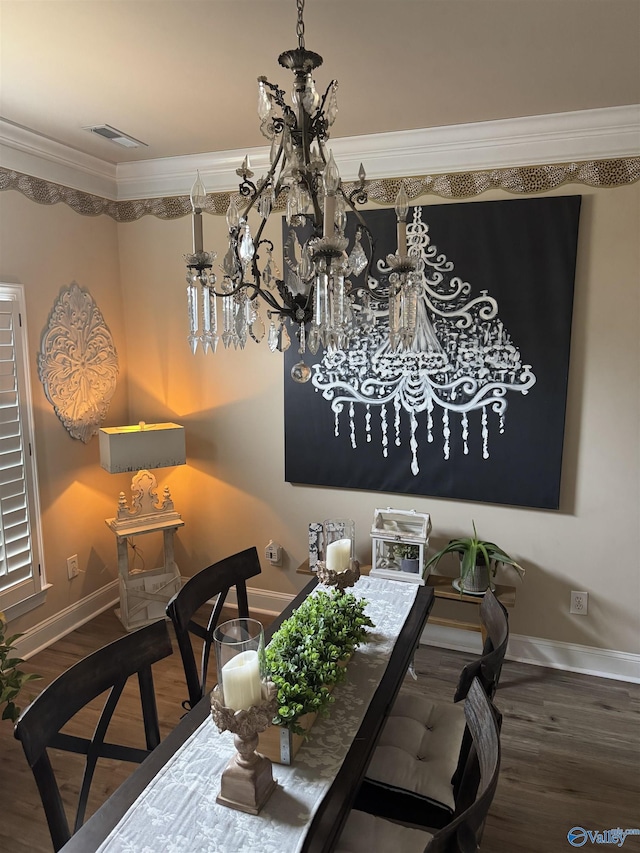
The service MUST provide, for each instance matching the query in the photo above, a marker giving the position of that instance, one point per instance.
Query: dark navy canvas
(425, 427)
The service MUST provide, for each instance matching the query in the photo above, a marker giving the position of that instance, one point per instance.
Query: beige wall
(232, 494)
(45, 249)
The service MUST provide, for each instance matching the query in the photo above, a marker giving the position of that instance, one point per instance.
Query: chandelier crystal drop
(327, 296)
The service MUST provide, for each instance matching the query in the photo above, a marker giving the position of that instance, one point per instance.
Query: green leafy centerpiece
(306, 657)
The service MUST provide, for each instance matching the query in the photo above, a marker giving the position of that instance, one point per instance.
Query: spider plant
(474, 551)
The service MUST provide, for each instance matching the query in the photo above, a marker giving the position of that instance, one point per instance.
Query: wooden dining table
(322, 830)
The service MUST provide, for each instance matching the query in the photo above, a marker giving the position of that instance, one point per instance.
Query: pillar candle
(339, 555)
(197, 232)
(329, 215)
(241, 685)
(401, 231)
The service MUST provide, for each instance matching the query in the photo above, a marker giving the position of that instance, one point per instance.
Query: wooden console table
(443, 589)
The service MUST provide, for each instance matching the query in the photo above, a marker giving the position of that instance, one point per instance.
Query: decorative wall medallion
(78, 363)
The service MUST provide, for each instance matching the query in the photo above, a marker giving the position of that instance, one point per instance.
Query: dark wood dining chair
(212, 582)
(415, 771)
(495, 620)
(39, 726)
(369, 833)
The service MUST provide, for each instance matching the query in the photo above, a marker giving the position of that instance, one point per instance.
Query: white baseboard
(263, 600)
(604, 663)
(571, 657)
(452, 638)
(55, 627)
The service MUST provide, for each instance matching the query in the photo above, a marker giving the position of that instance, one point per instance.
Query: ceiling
(180, 75)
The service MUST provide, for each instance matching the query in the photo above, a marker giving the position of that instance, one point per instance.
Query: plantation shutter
(19, 570)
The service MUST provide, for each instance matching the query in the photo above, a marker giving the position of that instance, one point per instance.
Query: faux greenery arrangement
(474, 551)
(11, 678)
(304, 655)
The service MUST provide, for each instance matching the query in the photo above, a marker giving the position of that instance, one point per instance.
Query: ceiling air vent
(115, 135)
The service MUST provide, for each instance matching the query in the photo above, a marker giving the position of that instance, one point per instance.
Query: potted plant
(11, 678)
(408, 556)
(478, 562)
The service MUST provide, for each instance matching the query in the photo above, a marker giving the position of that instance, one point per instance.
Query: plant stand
(145, 594)
(443, 589)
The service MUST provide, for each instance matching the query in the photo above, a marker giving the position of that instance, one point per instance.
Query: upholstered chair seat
(419, 749)
(365, 833)
(415, 770)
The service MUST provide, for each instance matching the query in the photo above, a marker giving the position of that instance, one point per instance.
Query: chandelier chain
(300, 24)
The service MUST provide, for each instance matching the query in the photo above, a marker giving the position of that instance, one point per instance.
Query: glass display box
(399, 543)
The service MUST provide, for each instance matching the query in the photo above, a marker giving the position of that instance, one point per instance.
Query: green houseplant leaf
(473, 550)
(12, 679)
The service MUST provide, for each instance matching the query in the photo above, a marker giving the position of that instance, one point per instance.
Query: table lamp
(138, 448)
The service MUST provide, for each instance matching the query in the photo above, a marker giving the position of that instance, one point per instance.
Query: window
(22, 580)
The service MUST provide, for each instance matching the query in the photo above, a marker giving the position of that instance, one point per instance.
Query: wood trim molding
(27, 152)
(571, 657)
(525, 155)
(553, 654)
(46, 633)
(459, 185)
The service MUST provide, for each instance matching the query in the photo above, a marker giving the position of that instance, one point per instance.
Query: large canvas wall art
(476, 409)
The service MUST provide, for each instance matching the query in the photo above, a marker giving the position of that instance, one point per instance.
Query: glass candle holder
(239, 648)
(339, 538)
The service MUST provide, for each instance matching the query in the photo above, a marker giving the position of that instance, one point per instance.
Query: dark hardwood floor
(570, 748)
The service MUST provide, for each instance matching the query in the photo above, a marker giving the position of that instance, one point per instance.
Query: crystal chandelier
(327, 296)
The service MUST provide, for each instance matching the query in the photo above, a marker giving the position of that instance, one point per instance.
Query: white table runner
(178, 813)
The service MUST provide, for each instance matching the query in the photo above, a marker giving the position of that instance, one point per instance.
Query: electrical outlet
(579, 603)
(72, 566)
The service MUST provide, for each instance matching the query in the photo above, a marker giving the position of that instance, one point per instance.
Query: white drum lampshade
(134, 448)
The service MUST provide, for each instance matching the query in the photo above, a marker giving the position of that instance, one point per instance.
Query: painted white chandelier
(327, 296)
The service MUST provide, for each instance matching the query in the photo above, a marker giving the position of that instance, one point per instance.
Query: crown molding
(24, 151)
(558, 138)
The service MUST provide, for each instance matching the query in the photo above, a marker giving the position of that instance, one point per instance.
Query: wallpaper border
(605, 173)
